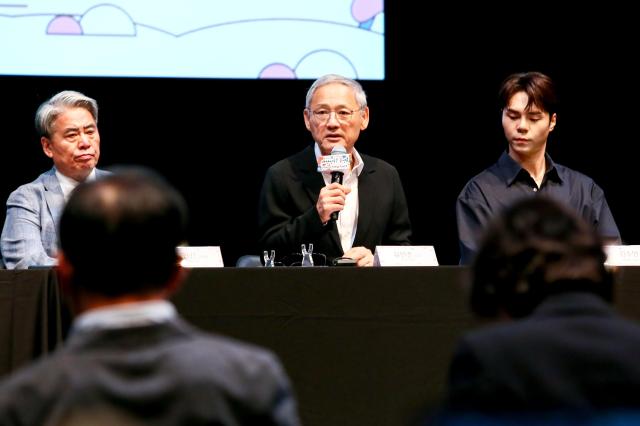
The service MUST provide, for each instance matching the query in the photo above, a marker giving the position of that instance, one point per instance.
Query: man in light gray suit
(130, 359)
(68, 128)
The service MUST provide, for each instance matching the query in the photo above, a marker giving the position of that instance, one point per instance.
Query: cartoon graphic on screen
(281, 39)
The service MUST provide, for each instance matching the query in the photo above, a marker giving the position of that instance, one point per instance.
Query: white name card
(200, 257)
(405, 256)
(618, 255)
(334, 163)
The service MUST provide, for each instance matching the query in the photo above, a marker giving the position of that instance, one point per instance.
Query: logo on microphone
(337, 161)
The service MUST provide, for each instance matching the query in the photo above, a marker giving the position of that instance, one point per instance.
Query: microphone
(336, 163)
(337, 175)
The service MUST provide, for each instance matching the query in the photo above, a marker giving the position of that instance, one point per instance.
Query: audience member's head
(535, 248)
(118, 234)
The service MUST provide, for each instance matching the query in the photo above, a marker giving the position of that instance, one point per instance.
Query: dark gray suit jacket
(288, 217)
(161, 374)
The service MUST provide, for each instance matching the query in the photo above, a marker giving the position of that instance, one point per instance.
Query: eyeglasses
(323, 115)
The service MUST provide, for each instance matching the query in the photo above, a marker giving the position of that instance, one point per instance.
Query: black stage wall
(435, 118)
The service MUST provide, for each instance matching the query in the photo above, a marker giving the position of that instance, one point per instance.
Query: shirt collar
(510, 170)
(68, 184)
(126, 315)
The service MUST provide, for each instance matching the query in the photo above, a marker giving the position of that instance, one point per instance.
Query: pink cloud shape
(64, 24)
(277, 71)
(363, 10)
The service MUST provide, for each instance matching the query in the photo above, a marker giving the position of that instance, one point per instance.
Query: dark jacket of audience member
(563, 349)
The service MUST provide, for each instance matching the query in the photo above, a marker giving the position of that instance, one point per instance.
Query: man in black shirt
(525, 169)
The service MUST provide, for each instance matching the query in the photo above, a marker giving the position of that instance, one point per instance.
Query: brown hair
(538, 87)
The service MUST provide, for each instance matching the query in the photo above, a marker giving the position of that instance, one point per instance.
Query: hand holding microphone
(331, 200)
(332, 197)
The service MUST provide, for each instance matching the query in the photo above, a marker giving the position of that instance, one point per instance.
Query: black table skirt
(364, 346)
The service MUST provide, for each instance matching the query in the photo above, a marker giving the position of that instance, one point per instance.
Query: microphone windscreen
(338, 149)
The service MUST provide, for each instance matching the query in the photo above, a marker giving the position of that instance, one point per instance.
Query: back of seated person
(130, 358)
(559, 349)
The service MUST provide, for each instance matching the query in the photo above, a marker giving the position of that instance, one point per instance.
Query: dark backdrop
(435, 118)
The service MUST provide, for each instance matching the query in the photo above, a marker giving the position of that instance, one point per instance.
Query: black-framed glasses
(323, 115)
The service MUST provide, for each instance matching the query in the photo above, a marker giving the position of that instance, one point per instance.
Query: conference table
(362, 346)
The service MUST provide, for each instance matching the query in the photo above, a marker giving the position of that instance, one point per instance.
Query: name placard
(405, 256)
(200, 256)
(620, 255)
(334, 163)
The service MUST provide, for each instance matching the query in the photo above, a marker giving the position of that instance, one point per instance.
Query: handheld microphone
(336, 163)
(337, 172)
(337, 175)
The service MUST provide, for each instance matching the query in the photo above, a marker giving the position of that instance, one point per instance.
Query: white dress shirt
(68, 185)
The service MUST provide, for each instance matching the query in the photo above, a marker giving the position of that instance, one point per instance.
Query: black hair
(120, 232)
(535, 248)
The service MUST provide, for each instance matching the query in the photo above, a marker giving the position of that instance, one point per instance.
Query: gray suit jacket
(30, 236)
(160, 374)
